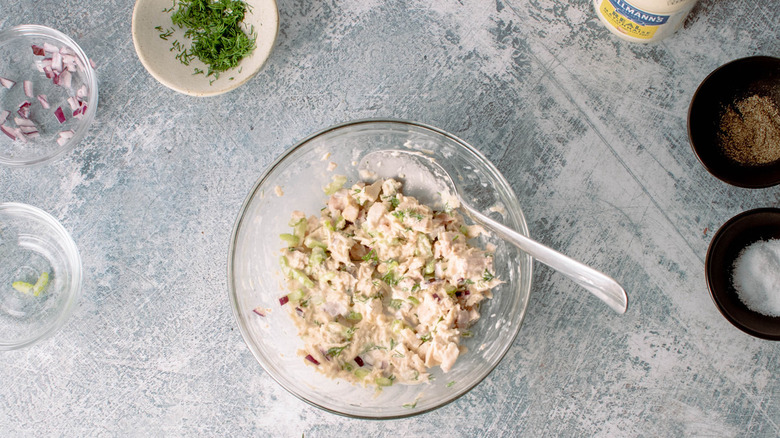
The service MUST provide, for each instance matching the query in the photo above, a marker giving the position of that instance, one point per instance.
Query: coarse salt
(756, 277)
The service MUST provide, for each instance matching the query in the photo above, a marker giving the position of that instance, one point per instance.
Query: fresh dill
(214, 28)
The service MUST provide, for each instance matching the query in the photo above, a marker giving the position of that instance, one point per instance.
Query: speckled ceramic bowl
(301, 173)
(150, 17)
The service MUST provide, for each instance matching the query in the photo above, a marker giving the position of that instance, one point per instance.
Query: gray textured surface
(589, 130)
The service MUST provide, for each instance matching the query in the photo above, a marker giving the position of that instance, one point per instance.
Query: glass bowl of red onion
(48, 95)
(295, 181)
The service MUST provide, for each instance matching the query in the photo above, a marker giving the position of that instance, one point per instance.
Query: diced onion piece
(7, 83)
(59, 114)
(38, 50)
(24, 110)
(10, 132)
(311, 359)
(283, 300)
(56, 62)
(4, 115)
(259, 310)
(65, 79)
(64, 136)
(65, 51)
(44, 102)
(23, 122)
(28, 129)
(74, 103)
(82, 91)
(50, 48)
(69, 62)
(48, 71)
(28, 91)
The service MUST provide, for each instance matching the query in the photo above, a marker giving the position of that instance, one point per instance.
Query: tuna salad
(381, 287)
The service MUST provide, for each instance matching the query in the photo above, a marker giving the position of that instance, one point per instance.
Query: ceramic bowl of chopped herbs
(204, 47)
(40, 275)
(734, 122)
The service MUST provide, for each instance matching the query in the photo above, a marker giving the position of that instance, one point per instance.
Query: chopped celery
(430, 267)
(383, 381)
(361, 373)
(413, 300)
(23, 287)
(311, 242)
(336, 184)
(354, 316)
(296, 295)
(317, 256)
(290, 239)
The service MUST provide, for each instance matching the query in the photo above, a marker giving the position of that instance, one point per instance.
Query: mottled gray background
(590, 131)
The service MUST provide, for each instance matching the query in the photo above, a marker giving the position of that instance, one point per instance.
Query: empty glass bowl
(48, 95)
(40, 275)
(295, 182)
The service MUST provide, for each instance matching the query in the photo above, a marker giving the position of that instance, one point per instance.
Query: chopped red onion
(64, 136)
(23, 122)
(50, 48)
(24, 110)
(82, 91)
(299, 311)
(66, 51)
(359, 361)
(74, 103)
(4, 115)
(44, 102)
(48, 71)
(28, 129)
(38, 50)
(56, 62)
(7, 83)
(28, 91)
(69, 62)
(10, 132)
(259, 310)
(283, 300)
(312, 359)
(65, 79)
(59, 114)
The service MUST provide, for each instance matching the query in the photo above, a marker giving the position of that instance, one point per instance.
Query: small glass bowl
(300, 174)
(21, 64)
(40, 275)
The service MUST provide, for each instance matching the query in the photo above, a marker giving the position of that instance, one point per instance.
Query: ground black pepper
(750, 131)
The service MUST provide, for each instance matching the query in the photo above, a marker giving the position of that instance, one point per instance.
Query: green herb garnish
(214, 27)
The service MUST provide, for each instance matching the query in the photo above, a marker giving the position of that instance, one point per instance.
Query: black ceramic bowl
(739, 232)
(723, 87)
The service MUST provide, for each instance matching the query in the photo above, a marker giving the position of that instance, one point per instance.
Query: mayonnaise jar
(643, 21)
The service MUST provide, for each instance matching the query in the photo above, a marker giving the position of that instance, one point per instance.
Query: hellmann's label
(631, 20)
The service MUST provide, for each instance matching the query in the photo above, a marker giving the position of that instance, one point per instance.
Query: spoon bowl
(425, 179)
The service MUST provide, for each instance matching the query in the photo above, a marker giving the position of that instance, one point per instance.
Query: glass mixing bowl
(40, 275)
(66, 81)
(254, 277)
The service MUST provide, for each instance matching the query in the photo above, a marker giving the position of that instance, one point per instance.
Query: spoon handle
(597, 283)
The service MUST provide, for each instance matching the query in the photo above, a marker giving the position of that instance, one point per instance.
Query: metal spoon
(388, 164)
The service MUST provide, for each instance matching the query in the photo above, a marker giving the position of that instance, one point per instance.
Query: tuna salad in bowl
(362, 289)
